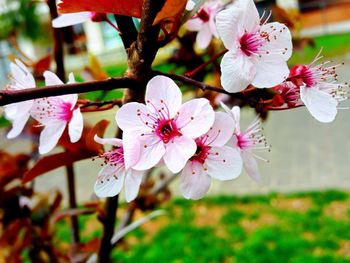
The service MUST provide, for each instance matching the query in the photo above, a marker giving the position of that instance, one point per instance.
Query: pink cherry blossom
(249, 141)
(204, 23)
(212, 159)
(19, 113)
(163, 128)
(54, 113)
(113, 175)
(77, 18)
(319, 90)
(258, 50)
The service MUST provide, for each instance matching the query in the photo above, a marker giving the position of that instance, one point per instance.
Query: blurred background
(300, 213)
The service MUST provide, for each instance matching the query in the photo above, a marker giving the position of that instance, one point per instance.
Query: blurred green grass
(309, 227)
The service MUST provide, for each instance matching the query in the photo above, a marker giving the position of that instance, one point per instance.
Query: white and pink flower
(114, 175)
(19, 113)
(54, 113)
(319, 90)
(163, 128)
(204, 23)
(249, 141)
(213, 159)
(257, 50)
(77, 18)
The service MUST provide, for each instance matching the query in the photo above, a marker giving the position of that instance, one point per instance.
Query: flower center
(203, 15)
(251, 43)
(202, 152)
(65, 113)
(167, 130)
(113, 157)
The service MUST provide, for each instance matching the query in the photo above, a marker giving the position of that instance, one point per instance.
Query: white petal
(195, 118)
(112, 141)
(224, 163)
(18, 125)
(227, 24)
(75, 126)
(51, 79)
(280, 39)
(195, 182)
(109, 181)
(237, 72)
(71, 19)
(251, 166)
(251, 18)
(221, 131)
(194, 24)
(133, 181)
(50, 136)
(163, 93)
(151, 151)
(178, 151)
(132, 149)
(133, 117)
(204, 36)
(270, 71)
(23, 78)
(321, 105)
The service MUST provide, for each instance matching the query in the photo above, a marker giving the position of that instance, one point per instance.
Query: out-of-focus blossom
(77, 18)
(204, 23)
(212, 159)
(190, 5)
(258, 50)
(249, 141)
(19, 113)
(113, 175)
(319, 90)
(54, 113)
(163, 128)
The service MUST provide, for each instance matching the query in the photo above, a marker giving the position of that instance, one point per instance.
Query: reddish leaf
(172, 9)
(42, 65)
(120, 7)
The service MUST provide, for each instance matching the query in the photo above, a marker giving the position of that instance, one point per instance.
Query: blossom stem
(112, 25)
(192, 73)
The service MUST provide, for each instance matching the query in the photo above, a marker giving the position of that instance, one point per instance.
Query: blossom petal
(132, 149)
(227, 24)
(251, 19)
(51, 79)
(133, 181)
(112, 141)
(195, 182)
(280, 39)
(71, 19)
(221, 131)
(204, 36)
(251, 166)
(18, 125)
(178, 151)
(194, 24)
(109, 181)
(75, 126)
(151, 151)
(133, 117)
(49, 136)
(225, 163)
(195, 118)
(237, 72)
(23, 78)
(162, 93)
(321, 105)
(270, 71)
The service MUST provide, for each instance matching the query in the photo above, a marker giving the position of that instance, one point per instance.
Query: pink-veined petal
(321, 105)
(151, 151)
(195, 118)
(204, 36)
(133, 117)
(178, 151)
(195, 182)
(251, 166)
(75, 126)
(227, 24)
(18, 125)
(280, 39)
(132, 149)
(237, 72)
(251, 19)
(270, 71)
(194, 24)
(133, 181)
(50, 136)
(224, 163)
(71, 19)
(221, 131)
(163, 94)
(112, 141)
(109, 181)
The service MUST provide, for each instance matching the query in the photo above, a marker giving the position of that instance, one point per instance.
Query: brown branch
(127, 28)
(13, 96)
